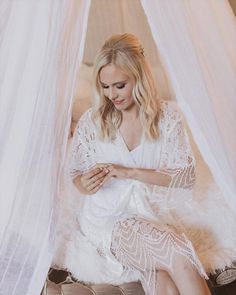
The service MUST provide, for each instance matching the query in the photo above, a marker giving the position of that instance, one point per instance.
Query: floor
(229, 289)
(59, 276)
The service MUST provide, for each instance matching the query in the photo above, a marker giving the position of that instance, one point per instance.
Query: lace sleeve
(83, 149)
(177, 159)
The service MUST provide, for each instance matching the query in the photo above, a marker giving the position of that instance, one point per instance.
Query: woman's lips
(118, 101)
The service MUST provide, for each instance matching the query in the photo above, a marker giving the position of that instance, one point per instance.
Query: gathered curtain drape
(197, 41)
(41, 46)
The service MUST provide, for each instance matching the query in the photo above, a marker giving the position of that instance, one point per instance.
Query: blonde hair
(126, 52)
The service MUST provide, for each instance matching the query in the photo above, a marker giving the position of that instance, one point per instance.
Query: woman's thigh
(140, 243)
(146, 245)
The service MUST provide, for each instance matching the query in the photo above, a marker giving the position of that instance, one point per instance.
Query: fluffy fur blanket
(207, 221)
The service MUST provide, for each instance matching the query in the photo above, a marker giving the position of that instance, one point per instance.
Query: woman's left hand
(116, 171)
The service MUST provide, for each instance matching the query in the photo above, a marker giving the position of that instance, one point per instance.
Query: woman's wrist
(131, 173)
(149, 176)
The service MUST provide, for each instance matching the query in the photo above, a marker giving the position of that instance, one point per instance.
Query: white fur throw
(207, 221)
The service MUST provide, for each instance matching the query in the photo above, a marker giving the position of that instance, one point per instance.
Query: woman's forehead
(112, 74)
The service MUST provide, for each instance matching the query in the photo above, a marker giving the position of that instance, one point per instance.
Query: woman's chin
(121, 106)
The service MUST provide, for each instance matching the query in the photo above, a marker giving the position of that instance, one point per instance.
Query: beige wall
(109, 17)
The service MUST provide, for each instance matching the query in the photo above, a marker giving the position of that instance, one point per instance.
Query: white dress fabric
(120, 200)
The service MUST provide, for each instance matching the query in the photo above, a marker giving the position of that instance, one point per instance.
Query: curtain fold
(197, 40)
(41, 47)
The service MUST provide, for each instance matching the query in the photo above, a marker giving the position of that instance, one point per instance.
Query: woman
(130, 153)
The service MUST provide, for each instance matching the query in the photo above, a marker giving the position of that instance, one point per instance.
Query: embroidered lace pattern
(140, 245)
(177, 158)
(83, 146)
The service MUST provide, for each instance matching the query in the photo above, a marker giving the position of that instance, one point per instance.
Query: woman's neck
(131, 114)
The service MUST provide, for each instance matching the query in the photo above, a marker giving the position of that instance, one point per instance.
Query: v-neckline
(125, 145)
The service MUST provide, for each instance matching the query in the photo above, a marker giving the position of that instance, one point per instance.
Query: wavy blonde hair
(125, 51)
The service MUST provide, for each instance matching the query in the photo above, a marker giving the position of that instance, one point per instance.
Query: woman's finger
(94, 185)
(101, 165)
(92, 173)
(88, 183)
(95, 170)
(98, 176)
(106, 178)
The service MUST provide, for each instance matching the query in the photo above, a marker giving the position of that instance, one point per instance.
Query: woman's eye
(105, 87)
(120, 86)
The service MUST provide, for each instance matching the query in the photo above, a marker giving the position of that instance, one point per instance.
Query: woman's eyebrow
(119, 82)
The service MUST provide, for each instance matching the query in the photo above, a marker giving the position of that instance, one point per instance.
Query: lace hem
(143, 246)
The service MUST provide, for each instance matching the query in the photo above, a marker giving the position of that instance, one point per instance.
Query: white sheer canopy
(41, 47)
(197, 40)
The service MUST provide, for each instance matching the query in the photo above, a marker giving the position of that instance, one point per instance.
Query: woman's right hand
(90, 182)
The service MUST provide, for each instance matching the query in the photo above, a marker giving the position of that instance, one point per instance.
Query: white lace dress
(133, 208)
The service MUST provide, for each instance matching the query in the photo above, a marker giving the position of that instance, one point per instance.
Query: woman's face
(117, 86)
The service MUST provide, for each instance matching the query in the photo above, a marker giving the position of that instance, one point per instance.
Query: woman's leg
(146, 247)
(187, 278)
(164, 284)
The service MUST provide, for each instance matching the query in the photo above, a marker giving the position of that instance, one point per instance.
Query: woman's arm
(90, 182)
(149, 176)
(183, 177)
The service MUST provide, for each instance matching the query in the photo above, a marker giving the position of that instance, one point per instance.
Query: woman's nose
(112, 93)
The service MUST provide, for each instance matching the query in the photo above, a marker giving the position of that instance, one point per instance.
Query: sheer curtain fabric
(197, 40)
(41, 47)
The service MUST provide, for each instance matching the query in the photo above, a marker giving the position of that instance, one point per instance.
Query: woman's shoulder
(169, 108)
(170, 116)
(169, 111)
(86, 116)
(85, 123)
